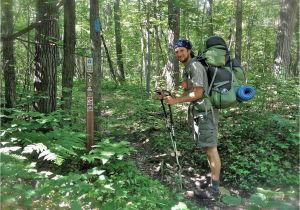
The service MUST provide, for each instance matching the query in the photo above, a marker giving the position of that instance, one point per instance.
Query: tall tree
(69, 53)
(296, 66)
(172, 67)
(156, 37)
(111, 68)
(210, 18)
(148, 48)
(141, 9)
(287, 21)
(249, 37)
(8, 59)
(118, 36)
(96, 55)
(238, 29)
(46, 57)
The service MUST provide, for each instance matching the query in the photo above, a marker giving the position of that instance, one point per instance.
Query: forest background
(48, 162)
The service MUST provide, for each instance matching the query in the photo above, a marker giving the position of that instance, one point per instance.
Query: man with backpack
(202, 117)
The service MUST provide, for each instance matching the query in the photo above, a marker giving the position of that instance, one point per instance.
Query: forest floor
(159, 162)
(143, 125)
(163, 167)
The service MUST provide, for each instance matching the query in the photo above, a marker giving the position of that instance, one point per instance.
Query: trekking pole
(172, 135)
(170, 126)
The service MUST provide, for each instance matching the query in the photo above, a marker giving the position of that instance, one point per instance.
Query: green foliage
(253, 151)
(104, 150)
(269, 199)
(44, 164)
(119, 186)
(99, 179)
(48, 136)
(255, 148)
(232, 200)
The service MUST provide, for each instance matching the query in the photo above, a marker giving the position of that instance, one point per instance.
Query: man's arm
(195, 94)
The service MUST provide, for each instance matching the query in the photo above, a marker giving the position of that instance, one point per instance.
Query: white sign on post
(89, 65)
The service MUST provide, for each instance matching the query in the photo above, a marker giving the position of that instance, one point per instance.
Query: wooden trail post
(89, 104)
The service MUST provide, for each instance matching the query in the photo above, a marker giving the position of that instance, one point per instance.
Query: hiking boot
(208, 193)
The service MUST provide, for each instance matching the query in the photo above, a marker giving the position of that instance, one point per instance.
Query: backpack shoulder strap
(212, 80)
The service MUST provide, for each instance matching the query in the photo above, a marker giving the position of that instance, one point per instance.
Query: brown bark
(118, 37)
(69, 54)
(46, 58)
(172, 72)
(96, 55)
(8, 59)
(282, 56)
(239, 30)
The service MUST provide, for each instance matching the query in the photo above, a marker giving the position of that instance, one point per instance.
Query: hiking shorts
(205, 129)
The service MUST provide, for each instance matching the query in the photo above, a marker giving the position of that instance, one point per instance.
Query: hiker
(203, 123)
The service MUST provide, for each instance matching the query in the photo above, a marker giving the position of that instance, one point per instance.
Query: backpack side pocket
(201, 106)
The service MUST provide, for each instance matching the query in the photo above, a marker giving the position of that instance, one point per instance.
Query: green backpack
(225, 75)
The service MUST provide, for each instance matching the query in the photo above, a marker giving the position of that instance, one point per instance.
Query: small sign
(89, 108)
(89, 61)
(89, 79)
(89, 100)
(89, 65)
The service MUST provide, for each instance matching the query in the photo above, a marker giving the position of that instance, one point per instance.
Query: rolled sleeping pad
(245, 93)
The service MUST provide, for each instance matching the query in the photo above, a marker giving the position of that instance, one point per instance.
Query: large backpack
(225, 75)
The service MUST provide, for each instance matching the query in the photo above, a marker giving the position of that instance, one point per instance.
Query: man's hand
(170, 100)
(162, 93)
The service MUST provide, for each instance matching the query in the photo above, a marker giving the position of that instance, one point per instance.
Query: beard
(184, 60)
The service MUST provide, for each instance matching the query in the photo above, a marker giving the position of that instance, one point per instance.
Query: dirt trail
(163, 167)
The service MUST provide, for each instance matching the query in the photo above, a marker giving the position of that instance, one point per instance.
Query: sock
(215, 184)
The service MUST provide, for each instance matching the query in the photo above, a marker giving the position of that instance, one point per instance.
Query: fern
(42, 151)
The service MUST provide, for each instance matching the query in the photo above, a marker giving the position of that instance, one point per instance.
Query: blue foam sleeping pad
(245, 93)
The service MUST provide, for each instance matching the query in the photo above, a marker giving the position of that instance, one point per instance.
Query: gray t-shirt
(195, 76)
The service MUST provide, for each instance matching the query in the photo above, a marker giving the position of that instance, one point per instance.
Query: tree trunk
(118, 36)
(69, 54)
(210, 18)
(288, 14)
(111, 68)
(143, 41)
(201, 22)
(249, 31)
(46, 58)
(157, 43)
(295, 69)
(8, 59)
(148, 50)
(172, 72)
(96, 54)
(238, 30)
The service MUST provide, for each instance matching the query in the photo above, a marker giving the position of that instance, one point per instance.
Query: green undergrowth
(117, 186)
(258, 143)
(44, 163)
